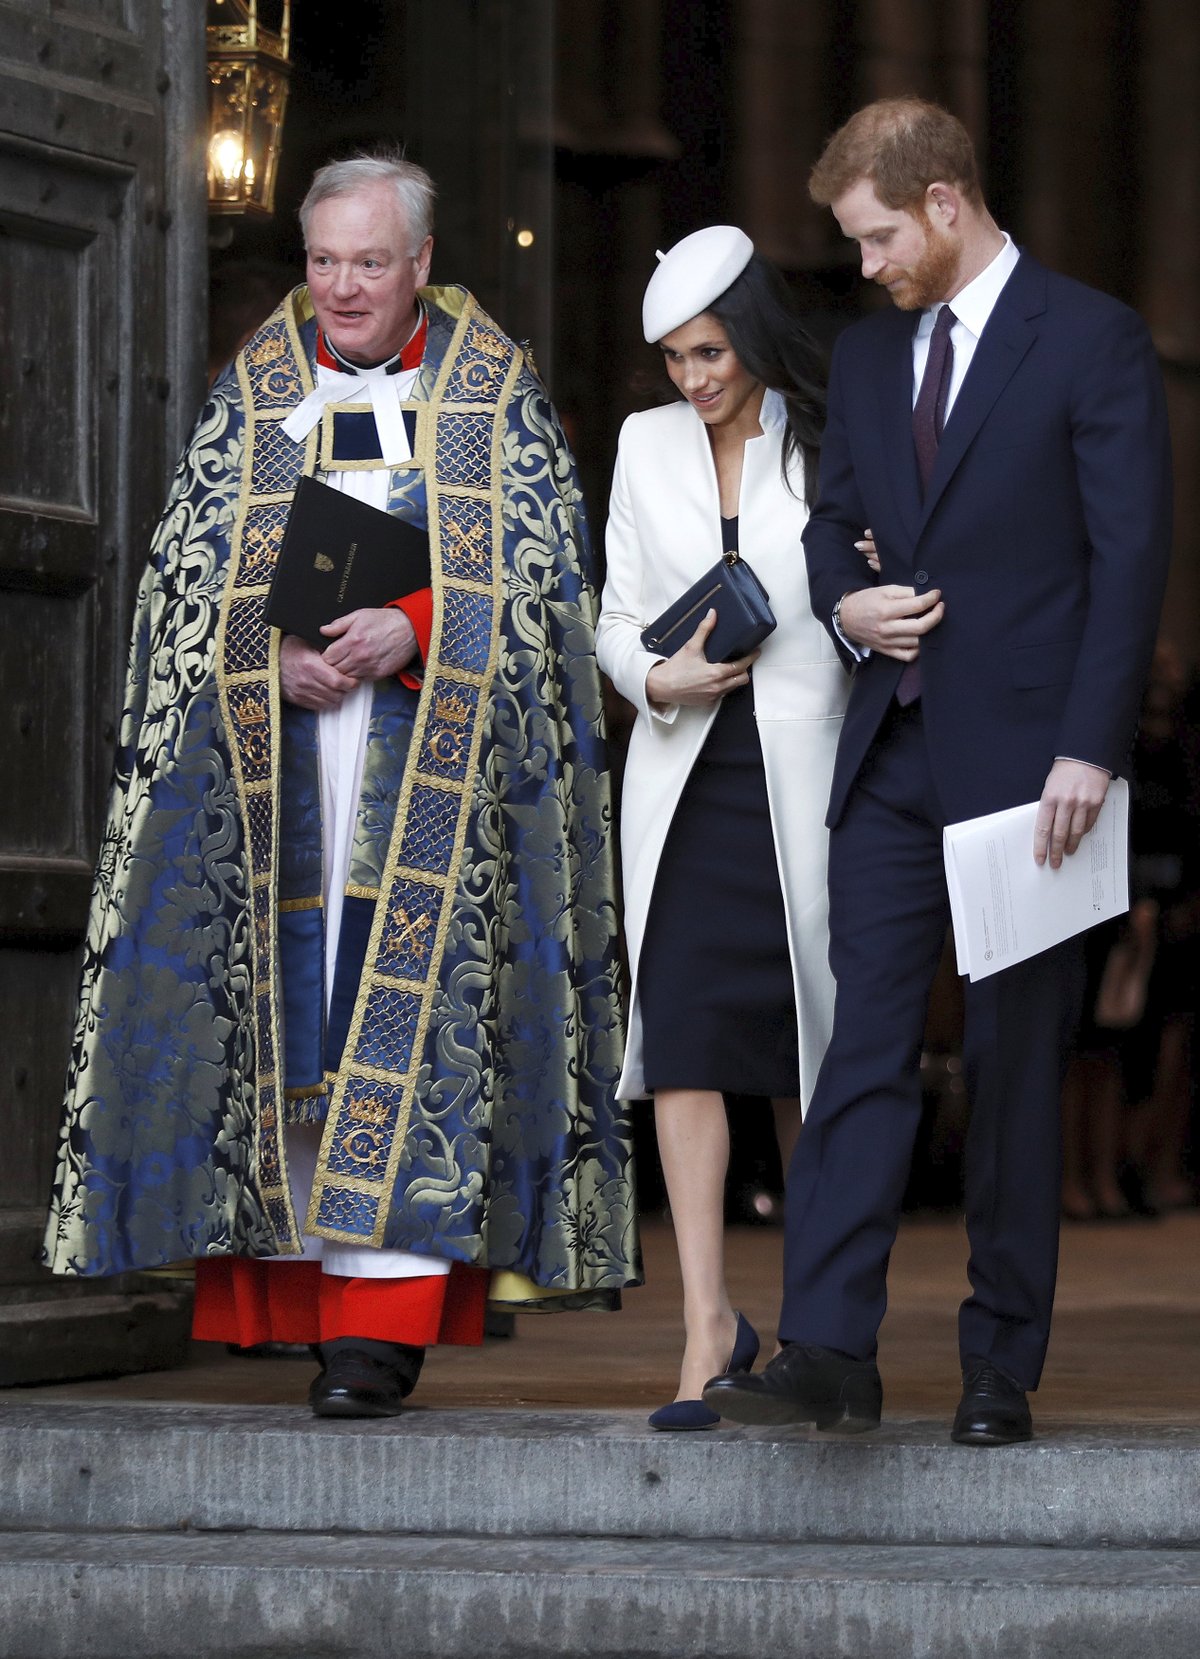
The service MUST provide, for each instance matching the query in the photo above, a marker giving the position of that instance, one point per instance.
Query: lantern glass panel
(248, 84)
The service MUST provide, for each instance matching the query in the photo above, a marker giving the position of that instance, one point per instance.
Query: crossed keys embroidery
(468, 544)
(412, 929)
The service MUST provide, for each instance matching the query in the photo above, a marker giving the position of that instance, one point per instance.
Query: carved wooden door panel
(100, 102)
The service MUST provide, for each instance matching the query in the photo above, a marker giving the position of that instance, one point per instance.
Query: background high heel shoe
(694, 1414)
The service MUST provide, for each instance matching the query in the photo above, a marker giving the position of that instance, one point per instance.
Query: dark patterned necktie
(929, 416)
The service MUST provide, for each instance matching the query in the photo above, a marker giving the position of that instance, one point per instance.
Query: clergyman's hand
(891, 619)
(307, 678)
(1070, 805)
(371, 644)
(689, 678)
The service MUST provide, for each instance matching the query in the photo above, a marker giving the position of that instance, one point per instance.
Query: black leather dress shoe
(993, 1410)
(803, 1385)
(357, 1383)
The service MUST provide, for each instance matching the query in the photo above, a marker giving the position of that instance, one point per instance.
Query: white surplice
(342, 747)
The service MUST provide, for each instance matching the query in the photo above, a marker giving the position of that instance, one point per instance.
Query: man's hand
(891, 619)
(1070, 805)
(371, 644)
(689, 678)
(306, 677)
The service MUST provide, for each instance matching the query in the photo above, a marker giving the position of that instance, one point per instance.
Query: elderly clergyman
(349, 1029)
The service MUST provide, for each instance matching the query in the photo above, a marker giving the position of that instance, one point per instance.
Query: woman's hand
(868, 550)
(690, 679)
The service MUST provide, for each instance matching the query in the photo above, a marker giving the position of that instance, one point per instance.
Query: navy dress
(715, 978)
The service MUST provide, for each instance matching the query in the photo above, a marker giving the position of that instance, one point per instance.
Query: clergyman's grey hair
(415, 191)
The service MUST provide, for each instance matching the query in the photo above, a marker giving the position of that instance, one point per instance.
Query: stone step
(80, 1328)
(525, 1474)
(256, 1596)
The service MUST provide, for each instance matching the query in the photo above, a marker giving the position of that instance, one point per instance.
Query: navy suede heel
(694, 1414)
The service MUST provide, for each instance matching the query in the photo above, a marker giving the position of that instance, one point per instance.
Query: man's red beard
(930, 279)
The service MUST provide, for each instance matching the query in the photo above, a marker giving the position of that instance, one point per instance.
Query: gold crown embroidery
(270, 351)
(451, 707)
(490, 344)
(371, 1110)
(323, 562)
(250, 712)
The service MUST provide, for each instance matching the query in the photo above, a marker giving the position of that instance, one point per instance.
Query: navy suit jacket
(1046, 526)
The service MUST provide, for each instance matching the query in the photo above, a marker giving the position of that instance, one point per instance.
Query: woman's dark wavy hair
(759, 314)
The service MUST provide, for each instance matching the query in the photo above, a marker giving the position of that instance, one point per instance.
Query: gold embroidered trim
(328, 462)
(273, 377)
(301, 904)
(460, 450)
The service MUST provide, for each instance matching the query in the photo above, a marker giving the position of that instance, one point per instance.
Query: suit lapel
(895, 385)
(1007, 336)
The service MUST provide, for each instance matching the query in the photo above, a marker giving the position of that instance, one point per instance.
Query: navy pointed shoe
(684, 1414)
(694, 1414)
(745, 1347)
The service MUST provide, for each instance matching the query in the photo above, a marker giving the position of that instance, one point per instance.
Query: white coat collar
(772, 416)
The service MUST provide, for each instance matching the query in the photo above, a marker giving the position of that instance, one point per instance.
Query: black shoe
(993, 1410)
(803, 1385)
(357, 1383)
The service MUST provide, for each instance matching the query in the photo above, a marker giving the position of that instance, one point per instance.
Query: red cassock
(247, 1301)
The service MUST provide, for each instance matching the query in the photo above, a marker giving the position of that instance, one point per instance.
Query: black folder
(340, 555)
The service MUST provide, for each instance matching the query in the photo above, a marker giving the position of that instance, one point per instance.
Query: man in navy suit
(1002, 430)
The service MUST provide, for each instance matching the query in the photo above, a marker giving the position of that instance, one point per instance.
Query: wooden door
(101, 323)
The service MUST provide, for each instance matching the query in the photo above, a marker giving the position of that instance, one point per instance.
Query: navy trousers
(888, 917)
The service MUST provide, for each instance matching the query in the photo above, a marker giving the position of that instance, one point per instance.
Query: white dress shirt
(972, 306)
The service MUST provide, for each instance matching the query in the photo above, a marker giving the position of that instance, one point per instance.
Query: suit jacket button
(921, 577)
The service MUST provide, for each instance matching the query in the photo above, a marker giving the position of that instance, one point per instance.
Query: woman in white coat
(727, 780)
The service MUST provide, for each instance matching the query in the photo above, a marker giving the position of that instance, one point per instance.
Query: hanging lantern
(248, 72)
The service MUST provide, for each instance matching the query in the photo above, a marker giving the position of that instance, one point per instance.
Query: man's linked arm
(836, 522)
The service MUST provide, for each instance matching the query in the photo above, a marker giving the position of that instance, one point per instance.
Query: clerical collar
(405, 360)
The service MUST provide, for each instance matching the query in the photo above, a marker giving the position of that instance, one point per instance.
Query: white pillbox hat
(691, 276)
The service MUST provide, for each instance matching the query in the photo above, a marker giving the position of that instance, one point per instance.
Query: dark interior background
(610, 129)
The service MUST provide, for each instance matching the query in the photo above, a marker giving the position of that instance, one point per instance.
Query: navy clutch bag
(744, 616)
